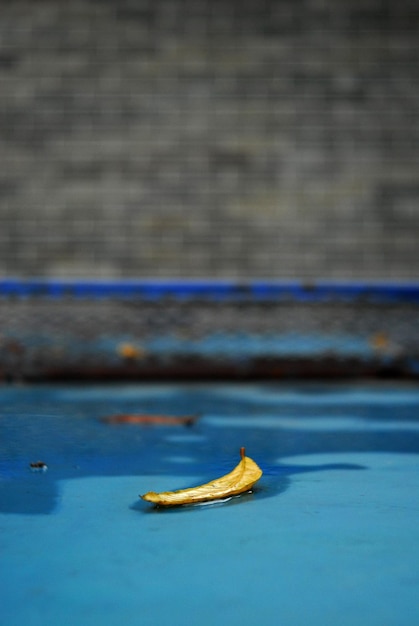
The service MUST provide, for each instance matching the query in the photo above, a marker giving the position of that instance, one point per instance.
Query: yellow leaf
(240, 479)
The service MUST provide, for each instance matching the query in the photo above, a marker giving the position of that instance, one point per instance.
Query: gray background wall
(216, 138)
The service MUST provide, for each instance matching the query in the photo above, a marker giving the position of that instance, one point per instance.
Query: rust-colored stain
(130, 352)
(152, 420)
(380, 341)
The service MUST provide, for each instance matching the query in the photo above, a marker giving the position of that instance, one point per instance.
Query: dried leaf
(239, 480)
(152, 420)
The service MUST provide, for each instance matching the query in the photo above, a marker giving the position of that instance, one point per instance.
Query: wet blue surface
(329, 536)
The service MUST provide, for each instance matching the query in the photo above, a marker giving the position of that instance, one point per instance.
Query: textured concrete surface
(67, 338)
(197, 138)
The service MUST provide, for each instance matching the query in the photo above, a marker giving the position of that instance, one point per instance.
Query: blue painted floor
(329, 537)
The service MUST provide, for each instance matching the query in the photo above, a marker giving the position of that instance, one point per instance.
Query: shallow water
(329, 536)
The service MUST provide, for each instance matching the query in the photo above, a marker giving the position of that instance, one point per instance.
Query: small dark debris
(38, 466)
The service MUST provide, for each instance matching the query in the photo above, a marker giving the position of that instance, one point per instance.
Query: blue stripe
(212, 289)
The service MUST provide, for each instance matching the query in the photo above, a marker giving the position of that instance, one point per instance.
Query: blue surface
(237, 346)
(247, 345)
(330, 536)
(219, 290)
